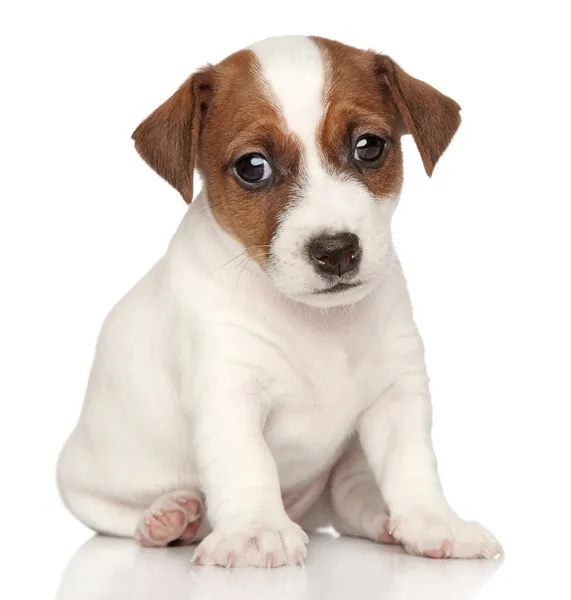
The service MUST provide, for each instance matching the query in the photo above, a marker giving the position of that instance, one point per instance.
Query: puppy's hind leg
(358, 507)
(173, 518)
(102, 513)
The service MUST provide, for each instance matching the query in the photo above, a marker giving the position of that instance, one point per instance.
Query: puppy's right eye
(253, 169)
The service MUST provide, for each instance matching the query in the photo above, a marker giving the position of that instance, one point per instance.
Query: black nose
(335, 254)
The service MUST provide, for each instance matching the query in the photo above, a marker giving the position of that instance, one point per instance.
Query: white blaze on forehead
(294, 69)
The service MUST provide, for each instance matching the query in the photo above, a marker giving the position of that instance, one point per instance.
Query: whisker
(241, 271)
(227, 263)
(244, 264)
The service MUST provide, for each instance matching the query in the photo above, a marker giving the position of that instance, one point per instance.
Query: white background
(485, 246)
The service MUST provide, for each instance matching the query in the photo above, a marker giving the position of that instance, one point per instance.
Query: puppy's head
(298, 142)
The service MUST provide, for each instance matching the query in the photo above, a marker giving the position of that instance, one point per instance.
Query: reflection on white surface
(115, 569)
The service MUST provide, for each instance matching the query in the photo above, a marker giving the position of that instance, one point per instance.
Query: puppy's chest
(315, 403)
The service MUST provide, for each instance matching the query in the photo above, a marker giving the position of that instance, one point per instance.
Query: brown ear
(167, 140)
(431, 117)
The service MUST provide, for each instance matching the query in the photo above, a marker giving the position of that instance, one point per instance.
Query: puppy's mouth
(339, 287)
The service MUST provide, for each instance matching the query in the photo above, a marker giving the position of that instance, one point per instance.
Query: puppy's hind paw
(172, 518)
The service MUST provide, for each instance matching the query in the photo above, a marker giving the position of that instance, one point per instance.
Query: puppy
(266, 376)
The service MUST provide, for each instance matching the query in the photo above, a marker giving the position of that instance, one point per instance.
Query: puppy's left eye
(369, 149)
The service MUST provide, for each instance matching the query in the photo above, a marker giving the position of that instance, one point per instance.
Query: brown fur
(355, 106)
(223, 112)
(243, 119)
(431, 117)
(370, 93)
(235, 117)
(168, 138)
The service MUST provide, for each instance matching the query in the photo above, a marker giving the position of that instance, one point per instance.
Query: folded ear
(431, 117)
(167, 140)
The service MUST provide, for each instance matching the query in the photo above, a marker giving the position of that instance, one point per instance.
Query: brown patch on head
(356, 106)
(369, 93)
(218, 115)
(243, 119)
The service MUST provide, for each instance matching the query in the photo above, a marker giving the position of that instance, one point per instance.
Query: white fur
(294, 70)
(210, 375)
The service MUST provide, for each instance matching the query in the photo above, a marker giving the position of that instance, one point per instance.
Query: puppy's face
(298, 142)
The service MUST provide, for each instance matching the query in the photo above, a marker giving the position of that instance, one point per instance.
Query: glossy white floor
(338, 568)
(114, 569)
(65, 563)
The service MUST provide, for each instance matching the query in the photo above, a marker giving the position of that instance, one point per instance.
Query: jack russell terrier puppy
(266, 376)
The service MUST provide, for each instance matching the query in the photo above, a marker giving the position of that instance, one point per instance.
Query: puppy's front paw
(255, 547)
(424, 533)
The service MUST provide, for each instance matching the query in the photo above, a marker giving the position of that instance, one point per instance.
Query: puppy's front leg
(239, 477)
(395, 434)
